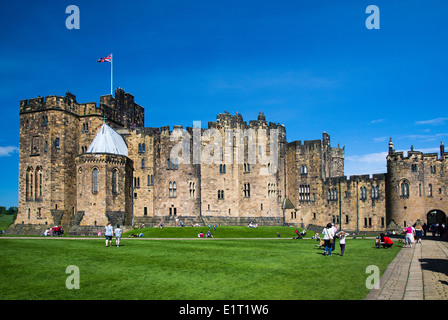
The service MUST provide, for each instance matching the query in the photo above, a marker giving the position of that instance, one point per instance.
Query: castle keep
(83, 165)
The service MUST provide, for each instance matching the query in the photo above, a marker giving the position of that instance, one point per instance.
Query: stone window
(150, 180)
(363, 193)
(368, 222)
(222, 168)
(44, 120)
(114, 181)
(303, 169)
(404, 189)
(332, 194)
(172, 165)
(192, 186)
(173, 189)
(433, 169)
(246, 190)
(304, 193)
(375, 192)
(95, 180)
(35, 145)
(414, 168)
(56, 143)
(271, 190)
(430, 190)
(220, 194)
(29, 185)
(143, 163)
(246, 167)
(38, 183)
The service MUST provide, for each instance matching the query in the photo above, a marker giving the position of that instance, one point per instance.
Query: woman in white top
(328, 233)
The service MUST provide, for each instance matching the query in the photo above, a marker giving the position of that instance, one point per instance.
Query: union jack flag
(108, 59)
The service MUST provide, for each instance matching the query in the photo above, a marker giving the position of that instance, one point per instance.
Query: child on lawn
(342, 235)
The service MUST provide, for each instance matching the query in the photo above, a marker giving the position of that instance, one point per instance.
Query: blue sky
(310, 65)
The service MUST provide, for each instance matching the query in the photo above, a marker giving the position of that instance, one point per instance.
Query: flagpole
(111, 74)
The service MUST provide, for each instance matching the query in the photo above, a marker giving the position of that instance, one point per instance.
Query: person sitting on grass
(377, 242)
(321, 242)
(209, 234)
(386, 242)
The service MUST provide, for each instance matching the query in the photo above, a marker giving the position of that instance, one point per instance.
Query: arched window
(114, 181)
(303, 169)
(363, 193)
(95, 180)
(173, 189)
(29, 183)
(404, 189)
(38, 182)
(375, 192)
(430, 190)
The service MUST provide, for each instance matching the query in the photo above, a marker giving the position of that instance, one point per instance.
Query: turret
(391, 146)
(442, 149)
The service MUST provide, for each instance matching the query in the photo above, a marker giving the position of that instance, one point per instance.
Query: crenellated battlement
(122, 109)
(67, 103)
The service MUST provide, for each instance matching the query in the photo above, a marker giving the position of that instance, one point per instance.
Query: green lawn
(220, 232)
(206, 269)
(6, 220)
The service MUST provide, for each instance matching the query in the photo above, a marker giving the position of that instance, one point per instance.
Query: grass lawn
(200, 269)
(6, 220)
(220, 232)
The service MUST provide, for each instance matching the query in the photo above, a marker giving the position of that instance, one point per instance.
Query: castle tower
(53, 131)
(104, 181)
(49, 139)
(416, 187)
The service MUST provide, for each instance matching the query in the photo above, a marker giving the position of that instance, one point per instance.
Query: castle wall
(235, 182)
(426, 178)
(176, 184)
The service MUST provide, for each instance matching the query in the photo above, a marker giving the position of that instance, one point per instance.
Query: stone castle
(83, 165)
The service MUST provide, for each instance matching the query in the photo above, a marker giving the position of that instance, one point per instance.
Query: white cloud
(381, 139)
(374, 162)
(422, 137)
(434, 122)
(8, 151)
(366, 164)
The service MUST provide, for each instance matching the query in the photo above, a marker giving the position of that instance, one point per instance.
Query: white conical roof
(107, 140)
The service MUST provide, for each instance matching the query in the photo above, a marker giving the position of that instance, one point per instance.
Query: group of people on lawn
(330, 234)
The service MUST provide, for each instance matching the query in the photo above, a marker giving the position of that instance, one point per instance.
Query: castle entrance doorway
(436, 216)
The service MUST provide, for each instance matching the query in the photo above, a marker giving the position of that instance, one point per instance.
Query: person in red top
(386, 242)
